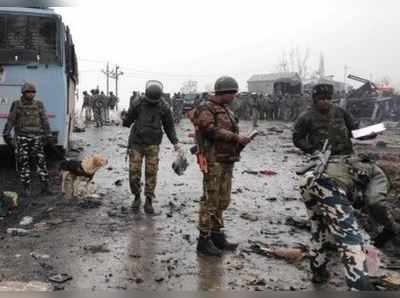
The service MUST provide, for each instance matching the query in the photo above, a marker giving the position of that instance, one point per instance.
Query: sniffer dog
(78, 172)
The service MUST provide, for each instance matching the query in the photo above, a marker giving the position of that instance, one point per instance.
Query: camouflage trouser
(98, 118)
(217, 186)
(332, 222)
(136, 155)
(254, 116)
(88, 113)
(28, 148)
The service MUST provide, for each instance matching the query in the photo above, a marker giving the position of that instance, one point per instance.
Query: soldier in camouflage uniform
(218, 131)
(149, 115)
(86, 106)
(254, 108)
(113, 101)
(98, 108)
(328, 198)
(31, 127)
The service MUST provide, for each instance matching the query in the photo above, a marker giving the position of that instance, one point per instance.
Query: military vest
(28, 117)
(332, 127)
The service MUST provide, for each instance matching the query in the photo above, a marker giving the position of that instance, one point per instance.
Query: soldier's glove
(10, 142)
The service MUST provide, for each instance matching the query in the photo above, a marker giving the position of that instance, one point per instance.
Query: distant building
(264, 83)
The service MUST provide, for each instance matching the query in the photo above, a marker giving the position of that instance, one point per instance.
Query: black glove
(10, 142)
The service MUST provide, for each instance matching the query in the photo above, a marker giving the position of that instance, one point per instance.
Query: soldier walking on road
(149, 116)
(31, 128)
(254, 108)
(98, 109)
(86, 106)
(219, 144)
(113, 104)
(327, 198)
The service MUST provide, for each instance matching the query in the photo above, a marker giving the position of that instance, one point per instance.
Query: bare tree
(189, 87)
(295, 60)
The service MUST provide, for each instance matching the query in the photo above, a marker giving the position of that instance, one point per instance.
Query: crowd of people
(97, 106)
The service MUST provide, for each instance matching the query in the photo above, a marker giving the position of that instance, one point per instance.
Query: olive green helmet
(26, 87)
(226, 85)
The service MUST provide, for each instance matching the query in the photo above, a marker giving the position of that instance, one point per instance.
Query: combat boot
(46, 189)
(220, 241)
(148, 207)
(27, 192)
(319, 275)
(206, 247)
(136, 203)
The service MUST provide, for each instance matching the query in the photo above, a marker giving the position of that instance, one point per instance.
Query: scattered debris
(60, 278)
(17, 232)
(291, 255)
(41, 226)
(249, 217)
(258, 282)
(98, 248)
(89, 203)
(299, 223)
(118, 182)
(262, 172)
(386, 282)
(17, 286)
(27, 220)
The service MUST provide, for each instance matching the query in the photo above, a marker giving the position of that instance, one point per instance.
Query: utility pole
(115, 74)
(108, 74)
(346, 68)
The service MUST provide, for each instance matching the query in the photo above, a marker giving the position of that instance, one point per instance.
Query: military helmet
(28, 86)
(154, 91)
(322, 90)
(226, 84)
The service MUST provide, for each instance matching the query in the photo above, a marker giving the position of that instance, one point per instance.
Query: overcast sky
(176, 40)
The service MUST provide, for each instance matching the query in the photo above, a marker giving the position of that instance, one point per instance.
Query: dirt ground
(102, 244)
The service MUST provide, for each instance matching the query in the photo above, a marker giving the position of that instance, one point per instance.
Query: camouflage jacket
(219, 128)
(27, 118)
(148, 121)
(312, 128)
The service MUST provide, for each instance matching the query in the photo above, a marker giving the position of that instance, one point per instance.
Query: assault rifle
(320, 165)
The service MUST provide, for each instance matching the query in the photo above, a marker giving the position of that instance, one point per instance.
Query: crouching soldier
(219, 144)
(149, 116)
(329, 197)
(31, 128)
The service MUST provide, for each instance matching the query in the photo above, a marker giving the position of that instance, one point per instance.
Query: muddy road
(101, 244)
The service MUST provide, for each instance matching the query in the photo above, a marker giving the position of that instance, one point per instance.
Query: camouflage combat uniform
(31, 126)
(87, 107)
(219, 129)
(144, 141)
(328, 198)
(98, 108)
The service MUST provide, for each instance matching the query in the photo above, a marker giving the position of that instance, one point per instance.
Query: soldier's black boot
(206, 247)
(136, 203)
(46, 189)
(148, 207)
(320, 275)
(27, 192)
(220, 241)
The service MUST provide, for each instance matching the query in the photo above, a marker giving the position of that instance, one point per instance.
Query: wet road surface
(110, 247)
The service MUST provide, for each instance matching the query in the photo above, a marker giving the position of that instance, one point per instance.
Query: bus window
(28, 39)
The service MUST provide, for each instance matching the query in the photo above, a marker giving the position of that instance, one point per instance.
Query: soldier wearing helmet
(29, 120)
(150, 115)
(219, 141)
